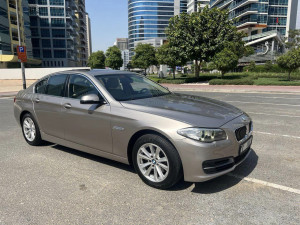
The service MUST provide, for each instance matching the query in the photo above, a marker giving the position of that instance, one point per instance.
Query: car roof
(96, 72)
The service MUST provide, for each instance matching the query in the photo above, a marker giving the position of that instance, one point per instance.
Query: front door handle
(37, 100)
(67, 106)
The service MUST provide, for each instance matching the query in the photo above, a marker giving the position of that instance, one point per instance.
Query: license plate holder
(246, 145)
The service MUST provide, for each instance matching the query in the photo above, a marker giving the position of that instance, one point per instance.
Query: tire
(30, 127)
(147, 164)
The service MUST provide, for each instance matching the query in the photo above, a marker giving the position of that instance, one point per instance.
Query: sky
(108, 22)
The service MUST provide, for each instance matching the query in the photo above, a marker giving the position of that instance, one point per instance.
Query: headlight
(203, 134)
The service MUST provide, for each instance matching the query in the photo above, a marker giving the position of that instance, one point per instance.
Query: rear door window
(56, 85)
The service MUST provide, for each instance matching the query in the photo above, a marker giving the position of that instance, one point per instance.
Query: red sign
(21, 50)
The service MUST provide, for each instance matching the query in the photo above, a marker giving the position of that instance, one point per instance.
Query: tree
(268, 66)
(113, 58)
(226, 60)
(97, 60)
(170, 56)
(201, 35)
(293, 41)
(129, 66)
(290, 61)
(144, 56)
(252, 66)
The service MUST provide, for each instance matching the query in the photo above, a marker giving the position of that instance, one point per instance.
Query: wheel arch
(140, 133)
(22, 115)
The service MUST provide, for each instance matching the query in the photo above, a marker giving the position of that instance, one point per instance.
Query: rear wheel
(31, 131)
(156, 161)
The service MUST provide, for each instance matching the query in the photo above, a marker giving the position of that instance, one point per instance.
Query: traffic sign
(21, 50)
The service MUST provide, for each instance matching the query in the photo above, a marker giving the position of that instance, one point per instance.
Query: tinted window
(80, 86)
(56, 85)
(40, 87)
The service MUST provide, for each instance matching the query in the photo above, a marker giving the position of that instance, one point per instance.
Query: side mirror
(91, 99)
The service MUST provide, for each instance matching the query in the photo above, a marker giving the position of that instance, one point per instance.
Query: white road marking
(268, 114)
(262, 103)
(270, 97)
(265, 183)
(282, 135)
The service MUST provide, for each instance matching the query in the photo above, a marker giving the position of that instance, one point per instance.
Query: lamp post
(19, 37)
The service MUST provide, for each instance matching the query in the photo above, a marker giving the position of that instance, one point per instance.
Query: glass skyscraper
(257, 16)
(59, 32)
(149, 19)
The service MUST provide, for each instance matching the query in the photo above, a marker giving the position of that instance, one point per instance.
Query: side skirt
(83, 148)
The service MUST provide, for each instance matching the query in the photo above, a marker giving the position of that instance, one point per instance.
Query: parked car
(128, 118)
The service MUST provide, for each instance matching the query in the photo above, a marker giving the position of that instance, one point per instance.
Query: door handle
(37, 100)
(67, 106)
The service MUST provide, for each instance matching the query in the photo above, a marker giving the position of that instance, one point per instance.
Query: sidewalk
(11, 88)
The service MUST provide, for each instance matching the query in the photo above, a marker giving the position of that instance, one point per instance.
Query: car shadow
(94, 158)
(209, 187)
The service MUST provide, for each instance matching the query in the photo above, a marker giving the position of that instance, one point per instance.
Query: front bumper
(205, 161)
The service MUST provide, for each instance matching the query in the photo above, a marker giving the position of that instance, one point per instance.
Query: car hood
(194, 110)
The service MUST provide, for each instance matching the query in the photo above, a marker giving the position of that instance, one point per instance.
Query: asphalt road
(56, 185)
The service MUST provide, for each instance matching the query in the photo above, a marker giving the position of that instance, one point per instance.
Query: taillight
(14, 99)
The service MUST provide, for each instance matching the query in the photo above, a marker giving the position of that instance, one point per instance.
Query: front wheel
(31, 131)
(156, 161)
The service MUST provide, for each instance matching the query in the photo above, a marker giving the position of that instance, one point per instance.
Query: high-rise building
(298, 17)
(125, 57)
(88, 35)
(59, 32)
(192, 5)
(258, 16)
(266, 22)
(9, 32)
(149, 19)
(122, 43)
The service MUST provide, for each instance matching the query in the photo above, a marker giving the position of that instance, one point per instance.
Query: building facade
(59, 32)
(122, 43)
(149, 19)
(192, 5)
(9, 39)
(266, 22)
(125, 57)
(88, 36)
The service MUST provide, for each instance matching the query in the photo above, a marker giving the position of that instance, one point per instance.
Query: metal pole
(19, 37)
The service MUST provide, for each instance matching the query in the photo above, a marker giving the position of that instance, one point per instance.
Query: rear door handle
(37, 100)
(67, 106)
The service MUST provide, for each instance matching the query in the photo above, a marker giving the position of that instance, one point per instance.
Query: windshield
(125, 87)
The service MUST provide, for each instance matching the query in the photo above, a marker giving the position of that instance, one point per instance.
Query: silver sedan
(128, 118)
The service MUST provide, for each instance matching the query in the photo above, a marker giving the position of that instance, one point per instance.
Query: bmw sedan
(126, 117)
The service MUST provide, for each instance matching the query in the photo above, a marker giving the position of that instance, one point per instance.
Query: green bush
(245, 81)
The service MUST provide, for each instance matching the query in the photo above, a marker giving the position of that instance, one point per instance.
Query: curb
(233, 91)
(8, 94)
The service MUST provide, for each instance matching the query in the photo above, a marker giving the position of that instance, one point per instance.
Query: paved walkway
(11, 87)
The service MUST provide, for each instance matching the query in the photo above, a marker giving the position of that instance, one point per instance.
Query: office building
(88, 36)
(59, 32)
(266, 22)
(9, 39)
(125, 57)
(192, 5)
(149, 19)
(122, 43)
